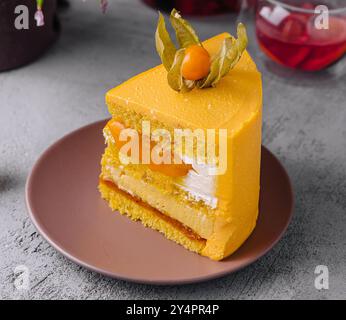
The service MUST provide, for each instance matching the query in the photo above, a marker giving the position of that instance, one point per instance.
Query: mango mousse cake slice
(207, 94)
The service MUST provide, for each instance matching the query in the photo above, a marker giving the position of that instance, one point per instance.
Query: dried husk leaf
(174, 77)
(228, 56)
(164, 45)
(186, 35)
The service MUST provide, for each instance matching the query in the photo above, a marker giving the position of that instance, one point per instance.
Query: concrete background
(304, 125)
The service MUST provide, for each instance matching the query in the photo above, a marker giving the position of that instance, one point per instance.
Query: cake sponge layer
(150, 217)
(187, 190)
(190, 217)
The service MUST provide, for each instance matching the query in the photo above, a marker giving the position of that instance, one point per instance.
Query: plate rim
(140, 280)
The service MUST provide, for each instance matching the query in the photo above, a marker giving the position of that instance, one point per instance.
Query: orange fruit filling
(196, 63)
(172, 169)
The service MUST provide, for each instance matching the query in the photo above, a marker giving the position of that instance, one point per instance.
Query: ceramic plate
(66, 208)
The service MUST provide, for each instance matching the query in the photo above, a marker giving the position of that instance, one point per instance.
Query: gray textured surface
(304, 125)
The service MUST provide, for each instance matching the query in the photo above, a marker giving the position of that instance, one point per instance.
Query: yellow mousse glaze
(234, 104)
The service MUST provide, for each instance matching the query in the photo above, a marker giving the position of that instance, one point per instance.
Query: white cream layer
(197, 183)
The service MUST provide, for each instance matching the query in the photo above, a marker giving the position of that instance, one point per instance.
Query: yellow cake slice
(208, 214)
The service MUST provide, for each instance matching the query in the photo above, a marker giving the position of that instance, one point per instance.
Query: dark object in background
(19, 47)
(196, 7)
(62, 4)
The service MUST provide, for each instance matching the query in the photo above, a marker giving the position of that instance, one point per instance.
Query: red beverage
(196, 7)
(291, 37)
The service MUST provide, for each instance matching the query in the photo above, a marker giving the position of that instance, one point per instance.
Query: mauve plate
(66, 208)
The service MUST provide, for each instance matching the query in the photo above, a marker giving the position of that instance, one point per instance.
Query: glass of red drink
(196, 7)
(307, 35)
